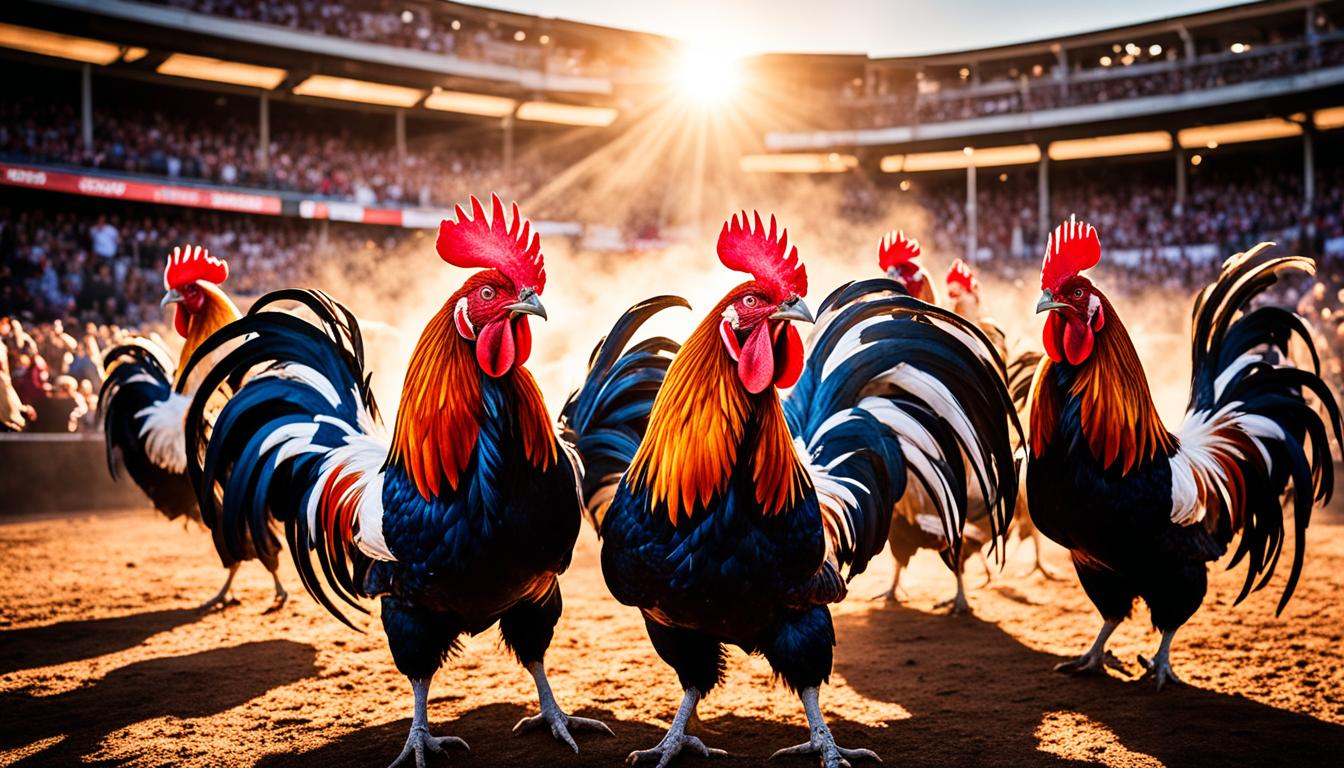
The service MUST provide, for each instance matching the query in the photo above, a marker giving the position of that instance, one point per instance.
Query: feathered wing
(605, 419)
(897, 391)
(143, 425)
(300, 443)
(1250, 431)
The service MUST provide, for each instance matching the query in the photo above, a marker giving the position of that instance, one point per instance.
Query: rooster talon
(420, 741)
(1159, 670)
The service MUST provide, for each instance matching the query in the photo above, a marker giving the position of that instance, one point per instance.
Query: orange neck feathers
(1119, 420)
(701, 419)
(441, 410)
(216, 312)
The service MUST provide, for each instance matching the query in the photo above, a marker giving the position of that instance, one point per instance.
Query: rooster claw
(670, 747)
(218, 603)
(957, 606)
(419, 742)
(277, 604)
(832, 755)
(1159, 669)
(560, 725)
(1093, 664)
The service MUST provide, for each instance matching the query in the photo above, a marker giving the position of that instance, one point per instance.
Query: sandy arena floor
(104, 660)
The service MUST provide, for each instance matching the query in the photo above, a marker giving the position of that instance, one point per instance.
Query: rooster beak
(528, 304)
(793, 309)
(171, 297)
(1048, 302)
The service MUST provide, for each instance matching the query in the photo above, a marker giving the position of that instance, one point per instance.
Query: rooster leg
(1097, 658)
(554, 717)
(676, 738)
(1040, 563)
(892, 593)
(822, 743)
(281, 596)
(1159, 668)
(225, 597)
(957, 606)
(419, 741)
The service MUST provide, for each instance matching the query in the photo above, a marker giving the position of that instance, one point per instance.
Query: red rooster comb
(766, 256)
(191, 263)
(488, 243)
(1073, 247)
(896, 250)
(960, 274)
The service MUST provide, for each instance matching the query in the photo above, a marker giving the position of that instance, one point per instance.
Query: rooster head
(1077, 309)
(898, 256)
(188, 279)
(961, 280)
(492, 307)
(757, 317)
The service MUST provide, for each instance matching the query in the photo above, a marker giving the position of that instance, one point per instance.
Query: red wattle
(495, 350)
(180, 318)
(789, 353)
(756, 365)
(1053, 336)
(1077, 341)
(522, 338)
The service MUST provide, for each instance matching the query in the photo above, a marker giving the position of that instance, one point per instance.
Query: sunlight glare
(708, 74)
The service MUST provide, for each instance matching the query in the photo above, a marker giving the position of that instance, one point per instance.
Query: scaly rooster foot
(670, 747)
(1093, 664)
(560, 725)
(419, 742)
(956, 606)
(220, 602)
(281, 598)
(1159, 669)
(832, 756)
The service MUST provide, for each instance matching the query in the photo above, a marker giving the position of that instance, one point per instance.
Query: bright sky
(876, 27)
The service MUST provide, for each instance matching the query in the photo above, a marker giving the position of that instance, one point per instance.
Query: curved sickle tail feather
(299, 443)
(1251, 429)
(605, 419)
(142, 425)
(897, 389)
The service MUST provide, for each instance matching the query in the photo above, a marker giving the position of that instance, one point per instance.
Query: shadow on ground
(68, 641)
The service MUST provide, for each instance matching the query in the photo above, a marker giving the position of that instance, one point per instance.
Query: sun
(708, 74)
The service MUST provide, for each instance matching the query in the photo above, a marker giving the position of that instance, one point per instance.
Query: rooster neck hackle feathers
(746, 246)
(701, 419)
(487, 242)
(1117, 415)
(216, 312)
(441, 410)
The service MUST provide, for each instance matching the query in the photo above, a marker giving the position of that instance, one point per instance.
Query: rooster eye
(1077, 293)
(749, 301)
(487, 293)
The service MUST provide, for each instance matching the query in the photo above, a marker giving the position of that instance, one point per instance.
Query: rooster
(465, 516)
(144, 407)
(737, 514)
(1140, 509)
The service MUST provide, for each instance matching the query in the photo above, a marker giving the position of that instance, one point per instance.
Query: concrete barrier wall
(60, 473)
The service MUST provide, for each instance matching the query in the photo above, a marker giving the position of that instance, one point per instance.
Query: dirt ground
(104, 660)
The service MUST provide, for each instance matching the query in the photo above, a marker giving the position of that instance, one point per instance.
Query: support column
(507, 125)
(401, 135)
(1308, 168)
(972, 236)
(86, 105)
(1043, 195)
(1179, 154)
(264, 132)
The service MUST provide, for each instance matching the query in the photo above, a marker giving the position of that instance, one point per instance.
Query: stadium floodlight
(566, 114)
(708, 74)
(798, 162)
(1116, 145)
(980, 157)
(57, 45)
(363, 91)
(470, 103)
(1328, 119)
(1233, 133)
(220, 71)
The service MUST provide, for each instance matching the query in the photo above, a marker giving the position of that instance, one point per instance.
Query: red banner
(138, 191)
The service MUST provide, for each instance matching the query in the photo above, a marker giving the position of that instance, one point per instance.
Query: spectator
(61, 409)
(14, 415)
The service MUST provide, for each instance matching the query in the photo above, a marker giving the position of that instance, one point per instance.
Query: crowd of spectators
(49, 379)
(414, 26)
(177, 144)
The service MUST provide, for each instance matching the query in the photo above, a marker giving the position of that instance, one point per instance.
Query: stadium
(351, 147)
